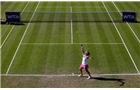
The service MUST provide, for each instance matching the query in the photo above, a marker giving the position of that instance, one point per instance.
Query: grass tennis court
(48, 53)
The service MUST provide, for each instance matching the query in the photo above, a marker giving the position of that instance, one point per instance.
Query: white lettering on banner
(13, 16)
(128, 17)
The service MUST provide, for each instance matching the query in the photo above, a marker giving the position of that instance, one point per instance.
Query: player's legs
(81, 72)
(87, 71)
(89, 77)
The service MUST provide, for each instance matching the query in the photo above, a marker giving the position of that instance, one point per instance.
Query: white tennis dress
(84, 60)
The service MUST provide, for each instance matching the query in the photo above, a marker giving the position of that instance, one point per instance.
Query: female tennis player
(84, 64)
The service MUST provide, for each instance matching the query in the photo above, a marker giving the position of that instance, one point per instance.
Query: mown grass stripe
(127, 22)
(11, 6)
(95, 33)
(110, 31)
(5, 33)
(98, 28)
(133, 48)
(48, 26)
(125, 27)
(119, 58)
(78, 27)
(40, 29)
(44, 49)
(22, 64)
(122, 40)
(36, 60)
(89, 30)
(50, 66)
(11, 46)
(131, 35)
(135, 6)
(59, 52)
(55, 28)
(53, 61)
(111, 59)
(8, 34)
(44, 54)
(85, 25)
(20, 43)
(102, 60)
(107, 49)
(75, 25)
(33, 60)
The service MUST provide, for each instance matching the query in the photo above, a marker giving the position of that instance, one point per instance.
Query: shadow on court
(122, 81)
(25, 22)
(77, 21)
(110, 79)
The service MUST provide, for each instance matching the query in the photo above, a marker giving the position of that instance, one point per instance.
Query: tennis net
(101, 16)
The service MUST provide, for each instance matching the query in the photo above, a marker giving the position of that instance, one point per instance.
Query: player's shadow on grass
(110, 79)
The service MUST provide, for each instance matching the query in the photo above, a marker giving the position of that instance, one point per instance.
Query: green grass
(48, 47)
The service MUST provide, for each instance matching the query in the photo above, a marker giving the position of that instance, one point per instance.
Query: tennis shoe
(80, 75)
(89, 77)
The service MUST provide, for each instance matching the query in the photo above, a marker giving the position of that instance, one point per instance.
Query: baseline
(69, 43)
(59, 75)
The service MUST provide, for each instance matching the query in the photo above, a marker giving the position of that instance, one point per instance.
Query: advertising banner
(12, 16)
(129, 16)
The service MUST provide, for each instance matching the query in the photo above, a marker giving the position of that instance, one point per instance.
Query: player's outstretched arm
(82, 47)
(90, 57)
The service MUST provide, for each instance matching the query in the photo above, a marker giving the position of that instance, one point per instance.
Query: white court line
(69, 43)
(21, 39)
(127, 22)
(72, 6)
(121, 39)
(12, 28)
(71, 26)
(60, 75)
